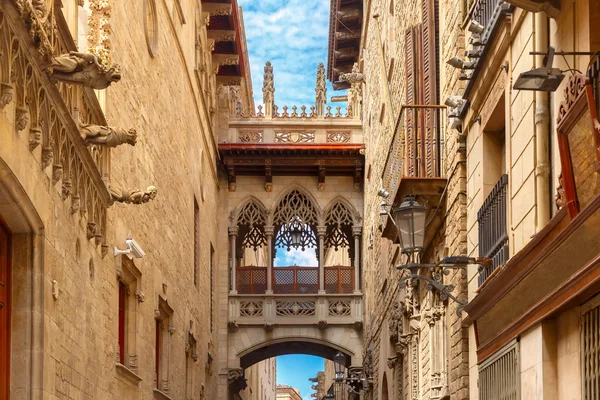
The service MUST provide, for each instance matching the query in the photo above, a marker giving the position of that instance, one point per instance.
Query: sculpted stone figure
(83, 69)
(132, 196)
(106, 135)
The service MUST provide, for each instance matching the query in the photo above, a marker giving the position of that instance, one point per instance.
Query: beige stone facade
(287, 393)
(261, 380)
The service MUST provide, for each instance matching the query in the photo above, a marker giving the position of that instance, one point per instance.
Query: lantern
(410, 221)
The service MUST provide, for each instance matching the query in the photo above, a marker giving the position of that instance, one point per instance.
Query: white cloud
(299, 257)
(293, 35)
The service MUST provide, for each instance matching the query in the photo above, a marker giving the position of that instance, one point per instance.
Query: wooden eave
(231, 49)
(345, 25)
(292, 159)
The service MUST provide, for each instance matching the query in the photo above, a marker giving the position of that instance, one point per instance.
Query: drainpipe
(542, 131)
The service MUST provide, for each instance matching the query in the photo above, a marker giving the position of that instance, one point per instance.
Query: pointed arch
(303, 191)
(296, 211)
(339, 219)
(251, 218)
(339, 200)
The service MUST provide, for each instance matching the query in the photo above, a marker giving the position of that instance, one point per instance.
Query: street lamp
(409, 218)
(339, 361)
(296, 234)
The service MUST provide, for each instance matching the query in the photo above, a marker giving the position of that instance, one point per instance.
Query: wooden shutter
(5, 263)
(410, 68)
(429, 134)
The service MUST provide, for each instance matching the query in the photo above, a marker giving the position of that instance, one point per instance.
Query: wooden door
(4, 311)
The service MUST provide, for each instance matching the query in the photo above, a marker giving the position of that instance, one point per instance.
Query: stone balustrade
(270, 310)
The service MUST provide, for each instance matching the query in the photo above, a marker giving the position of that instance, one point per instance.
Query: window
(151, 26)
(129, 296)
(211, 303)
(590, 351)
(164, 329)
(196, 241)
(499, 376)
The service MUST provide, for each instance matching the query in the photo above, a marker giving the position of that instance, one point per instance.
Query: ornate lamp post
(410, 220)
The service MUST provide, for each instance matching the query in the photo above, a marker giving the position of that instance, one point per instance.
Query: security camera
(132, 248)
(383, 193)
(455, 101)
(459, 63)
(476, 27)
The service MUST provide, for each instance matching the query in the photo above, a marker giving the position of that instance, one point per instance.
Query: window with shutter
(429, 132)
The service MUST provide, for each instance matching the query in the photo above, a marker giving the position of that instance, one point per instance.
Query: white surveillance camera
(476, 27)
(132, 248)
(383, 193)
(455, 101)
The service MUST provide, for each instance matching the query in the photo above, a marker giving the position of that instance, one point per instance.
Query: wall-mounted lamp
(545, 79)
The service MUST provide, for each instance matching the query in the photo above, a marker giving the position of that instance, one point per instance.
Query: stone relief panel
(295, 308)
(294, 137)
(338, 137)
(250, 136)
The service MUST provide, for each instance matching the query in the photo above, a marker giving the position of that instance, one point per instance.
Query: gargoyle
(107, 136)
(132, 196)
(83, 69)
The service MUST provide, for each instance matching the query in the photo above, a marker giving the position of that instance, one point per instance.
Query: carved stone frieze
(84, 69)
(107, 136)
(132, 196)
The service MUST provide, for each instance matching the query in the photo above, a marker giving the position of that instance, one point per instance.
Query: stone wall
(412, 362)
(175, 151)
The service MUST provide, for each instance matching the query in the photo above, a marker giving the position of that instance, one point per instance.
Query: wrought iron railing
(416, 148)
(493, 235)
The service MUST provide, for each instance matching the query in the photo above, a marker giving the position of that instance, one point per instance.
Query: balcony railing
(493, 236)
(416, 148)
(295, 280)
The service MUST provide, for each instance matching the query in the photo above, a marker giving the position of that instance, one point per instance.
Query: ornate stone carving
(268, 327)
(132, 196)
(47, 156)
(83, 69)
(574, 88)
(6, 94)
(268, 90)
(57, 173)
(35, 14)
(236, 380)
(99, 41)
(322, 325)
(75, 204)
(338, 137)
(392, 362)
(91, 230)
(320, 90)
(21, 118)
(66, 188)
(107, 136)
(395, 321)
(353, 77)
(250, 136)
(35, 138)
(232, 326)
(139, 295)
(368, 366)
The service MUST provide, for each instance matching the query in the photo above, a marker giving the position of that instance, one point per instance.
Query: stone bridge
(293, 216)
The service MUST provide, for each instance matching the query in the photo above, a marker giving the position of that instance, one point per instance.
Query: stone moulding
(127, 374)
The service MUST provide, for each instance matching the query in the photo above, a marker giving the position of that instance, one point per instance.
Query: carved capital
(236, 380)
(232, 326)
(233, 230)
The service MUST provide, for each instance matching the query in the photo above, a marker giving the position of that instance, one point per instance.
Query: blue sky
(295, 370)
(293, 35)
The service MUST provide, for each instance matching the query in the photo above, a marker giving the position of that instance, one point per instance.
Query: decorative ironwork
(295, 211)
(338, 137)
(251, 222)
(295, 308)
(251, 308)
(499, 376)
(493, 235)
(340, 308)
(250, 136)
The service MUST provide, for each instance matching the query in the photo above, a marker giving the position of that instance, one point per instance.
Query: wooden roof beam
(221, 35)
(217, 9)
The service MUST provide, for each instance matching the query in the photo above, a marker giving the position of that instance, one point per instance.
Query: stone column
(356, 232)
(233, 231)
(269, 235)
(321, 234)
